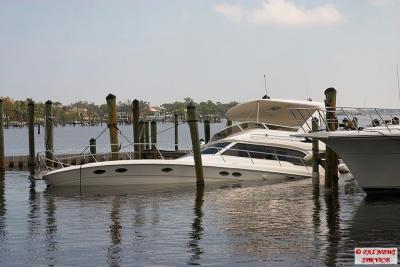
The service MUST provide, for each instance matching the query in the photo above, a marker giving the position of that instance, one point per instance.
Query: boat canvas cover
(274, 111)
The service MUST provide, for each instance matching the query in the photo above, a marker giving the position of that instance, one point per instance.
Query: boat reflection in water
(285, 224)
(375, 222)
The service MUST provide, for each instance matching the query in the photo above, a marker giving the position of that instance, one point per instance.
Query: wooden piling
(112, 125)
(194, 134)
(176, 131)
(93, 150)
(38, 129)
(147, 134)
(141, 139)
(136, 131)
(48, 137)
(206, 131)
(31, 133)
(154, 138)
(331, 158)
(315, 152)
(2, 167)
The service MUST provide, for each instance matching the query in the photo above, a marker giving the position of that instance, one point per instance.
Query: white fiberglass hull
(148, 172)
(372, 158)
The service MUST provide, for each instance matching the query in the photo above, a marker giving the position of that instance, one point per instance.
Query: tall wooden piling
(176, 131)
(112, 125)
(1, 137)
(206, 131)
(194, 134)
(93, 150)
(331, 158)
(154, 138)
(31, 133)
(141, 139)
(48, 137)
(147, 134)
(136, 131)
(315, 153)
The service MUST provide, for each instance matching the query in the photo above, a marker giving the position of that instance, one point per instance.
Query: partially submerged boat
(248, 151)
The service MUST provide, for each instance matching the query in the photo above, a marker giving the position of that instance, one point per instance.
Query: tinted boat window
(290, 155)
(265, 152)
(214, 148)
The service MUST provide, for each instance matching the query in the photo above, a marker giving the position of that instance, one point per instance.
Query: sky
(163, 51)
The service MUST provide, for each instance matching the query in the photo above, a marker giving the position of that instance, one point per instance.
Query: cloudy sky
(163, 51)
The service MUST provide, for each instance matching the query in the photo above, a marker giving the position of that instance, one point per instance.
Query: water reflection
(316, 219)
(333, 225)
(114, 250)
(375, 223)
(3, 233)
(197, 229)
(33, 221)
(51, 230)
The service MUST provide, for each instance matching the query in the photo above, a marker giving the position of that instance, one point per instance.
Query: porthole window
(167, 170)
(120, 170)
(99, 171)
(224, 173)
(236, 174)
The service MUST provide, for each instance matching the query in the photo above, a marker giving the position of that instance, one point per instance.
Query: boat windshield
(214, 148)
(266, 152)
(237, 128)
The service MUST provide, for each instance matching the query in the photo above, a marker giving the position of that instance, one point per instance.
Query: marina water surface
(287, 224)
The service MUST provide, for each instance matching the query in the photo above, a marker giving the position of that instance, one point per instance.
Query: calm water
(287, 224)
(71, 139)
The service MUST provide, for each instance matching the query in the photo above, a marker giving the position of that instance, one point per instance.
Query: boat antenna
(265, 86)
(398, 81)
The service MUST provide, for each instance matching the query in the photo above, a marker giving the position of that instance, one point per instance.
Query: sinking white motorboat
(248, 151)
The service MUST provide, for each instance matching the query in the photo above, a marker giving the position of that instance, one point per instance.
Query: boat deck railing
(350, 118)
(57, 158)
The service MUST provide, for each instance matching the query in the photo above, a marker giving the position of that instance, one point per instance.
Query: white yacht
(371, 154)
(248, 151)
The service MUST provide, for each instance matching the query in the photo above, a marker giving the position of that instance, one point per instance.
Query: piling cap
(135, 100)
(1, 100)
(191, 105)
(48, 102)
(110, 96)
(31, 102)
(330, 90)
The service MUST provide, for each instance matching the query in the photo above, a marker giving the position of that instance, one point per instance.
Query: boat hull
(148, 172)
(373, 161)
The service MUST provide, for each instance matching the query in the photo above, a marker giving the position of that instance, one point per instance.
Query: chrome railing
(348, 118)
(60, 159)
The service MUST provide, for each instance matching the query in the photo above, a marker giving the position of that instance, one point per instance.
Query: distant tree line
(16, 111)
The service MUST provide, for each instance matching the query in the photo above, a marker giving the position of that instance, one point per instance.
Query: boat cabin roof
(274, 111)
